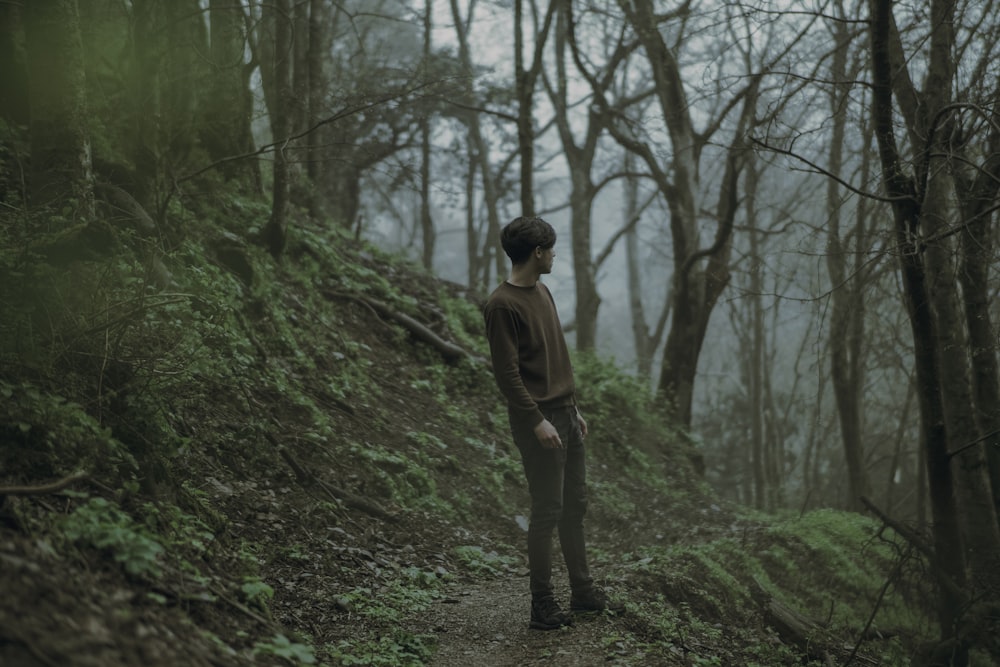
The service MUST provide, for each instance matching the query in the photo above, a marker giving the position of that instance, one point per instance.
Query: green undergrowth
(836, 569)
(186, 405)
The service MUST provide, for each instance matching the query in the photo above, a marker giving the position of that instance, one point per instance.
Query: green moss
(826, 565)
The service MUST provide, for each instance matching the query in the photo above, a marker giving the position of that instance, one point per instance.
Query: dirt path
(485, 623)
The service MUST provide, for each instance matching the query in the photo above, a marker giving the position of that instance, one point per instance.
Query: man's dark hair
(520, 238)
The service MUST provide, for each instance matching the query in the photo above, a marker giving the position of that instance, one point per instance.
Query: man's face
(545, 257)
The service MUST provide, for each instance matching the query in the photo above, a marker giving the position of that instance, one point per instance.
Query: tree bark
(580, 157)
(481, 154)
(60, 142)
(319, 47)
(978, 513)
(978, 193)
(227, 112)
(755, 373)
(525, 92)
(949, 553)
(847, 312)
(14, 72)
(645, 341)
(145, 94)
(524, 89)
(278, 17)
(428, 233)
(477, 268)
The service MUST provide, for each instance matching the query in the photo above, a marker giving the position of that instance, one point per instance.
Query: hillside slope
(276, 467)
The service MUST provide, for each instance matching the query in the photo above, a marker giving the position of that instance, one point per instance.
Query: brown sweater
(531, 363)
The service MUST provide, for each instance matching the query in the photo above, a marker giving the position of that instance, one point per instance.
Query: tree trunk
(481, 153)
(477, 279)
(847, 312)
(754, 346)
(949, 553)
(299, 104)
(977, 195)
(524, 89)
(14, 72)
(428, 232)
(60, 141)
(278, 18)
(319, 46)
(525, 96)
(978, 514)
(185, 86)
(145, 95)
(227, 108)
(645, 343)
(580, 162)
(700, 274)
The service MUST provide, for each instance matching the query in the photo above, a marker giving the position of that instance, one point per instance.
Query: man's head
(523, 236)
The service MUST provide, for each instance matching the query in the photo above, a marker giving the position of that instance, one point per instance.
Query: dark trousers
(557, 482)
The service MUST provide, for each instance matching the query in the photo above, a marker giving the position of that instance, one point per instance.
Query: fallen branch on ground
(43, 489)
(450, 352)
(335, 492)
(804, 633)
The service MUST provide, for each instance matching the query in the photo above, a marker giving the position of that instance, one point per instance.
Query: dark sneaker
(594, 600)
(547, 615)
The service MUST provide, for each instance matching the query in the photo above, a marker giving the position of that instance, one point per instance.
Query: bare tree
(580, 155)
(966, 531)
(524, 88)
(848, 307)
(480, 153)
(700, 273)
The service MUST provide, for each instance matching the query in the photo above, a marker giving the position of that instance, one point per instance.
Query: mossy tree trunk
(13, 68)
(278, 19)
(146, 111)
(320, 43)
(226, 130)
(60, 139)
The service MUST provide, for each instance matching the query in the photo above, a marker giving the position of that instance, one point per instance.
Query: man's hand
(547, 435)
(583, 424)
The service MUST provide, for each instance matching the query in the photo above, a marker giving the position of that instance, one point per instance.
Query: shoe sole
(538, 625)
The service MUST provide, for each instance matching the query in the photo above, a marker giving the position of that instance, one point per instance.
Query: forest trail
(485, 623)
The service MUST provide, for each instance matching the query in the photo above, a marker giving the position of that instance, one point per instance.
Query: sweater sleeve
(502, 333)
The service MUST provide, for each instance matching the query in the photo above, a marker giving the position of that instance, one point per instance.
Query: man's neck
(523, 276)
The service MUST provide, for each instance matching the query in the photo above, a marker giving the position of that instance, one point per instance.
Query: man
(532, 368)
